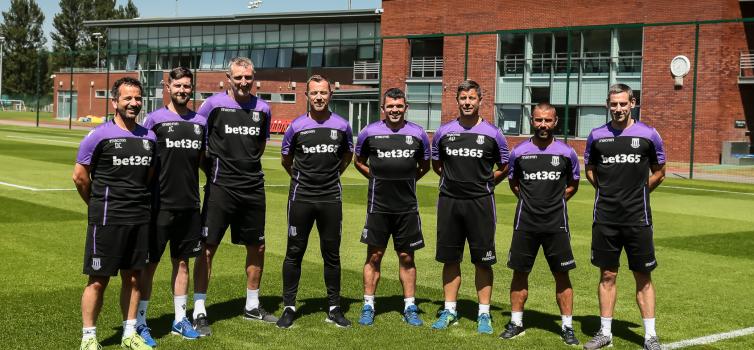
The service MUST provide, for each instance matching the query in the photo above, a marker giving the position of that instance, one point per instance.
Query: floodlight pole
(2, 49)
(97, 35)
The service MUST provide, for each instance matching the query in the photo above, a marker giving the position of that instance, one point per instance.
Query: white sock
(606, 326)
(451, 306)
(252, 299)
(408, 302)
(179, 305)
(88, 333)
(517, 318)
(649, 328)
(141, 312)
(199, 299)
(290, 307)
(129, 328)
(332, 307)
(483, 309)
(567, 321)
(369, 300)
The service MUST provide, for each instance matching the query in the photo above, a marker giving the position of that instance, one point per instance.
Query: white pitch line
(709, 339)
(698, 189)
(33, 189)
(39, 139)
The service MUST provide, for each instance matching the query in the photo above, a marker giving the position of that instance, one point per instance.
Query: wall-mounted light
(337, 85)
(60, 83)
(91, 83)
(259, 84)
(292, 85)
(221, 84)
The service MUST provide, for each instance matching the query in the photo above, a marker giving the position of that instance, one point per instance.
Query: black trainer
(259, 314)
(201, 325)
(569, 336)
(512, 330)
(286, 319)
(336, 316)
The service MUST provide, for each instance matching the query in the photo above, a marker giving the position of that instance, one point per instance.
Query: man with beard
(624, 161)
(317, 148)
(465, 152)
(393, 154)
(175, 213)
(112, 174)
(238, 127)
(544, 174)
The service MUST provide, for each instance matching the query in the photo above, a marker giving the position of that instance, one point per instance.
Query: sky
(194, 8)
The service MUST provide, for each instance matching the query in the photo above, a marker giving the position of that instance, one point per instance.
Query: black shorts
(242, 210)
(183, 228)
(406, 229)
(111, 248)
(303, 215)
(459, 220)
(608, 240)
(556, 247)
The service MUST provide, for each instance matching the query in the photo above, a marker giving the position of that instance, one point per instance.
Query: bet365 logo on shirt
(321, 148)
(242, 130)
(542, 175)
(464, 152)
(396, 153)
(621, 159)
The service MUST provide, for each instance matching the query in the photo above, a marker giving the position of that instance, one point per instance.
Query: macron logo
(132, 160)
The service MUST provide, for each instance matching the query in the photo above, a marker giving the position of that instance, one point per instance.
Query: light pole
(2, 41)
(97, 35)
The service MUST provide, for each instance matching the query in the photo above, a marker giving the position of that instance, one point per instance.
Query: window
(101, 93)
(203, 95)
(533, 68)
(277, 97)
(425, 100)
(426, 58)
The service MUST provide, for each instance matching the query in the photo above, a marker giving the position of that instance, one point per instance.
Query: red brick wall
(719, 98)
(88, 104)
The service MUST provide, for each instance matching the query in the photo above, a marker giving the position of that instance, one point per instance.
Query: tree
(69, 32)
(128, 12)
(24, 38)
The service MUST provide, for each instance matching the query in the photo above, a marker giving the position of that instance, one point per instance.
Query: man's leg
(407, 274)
(645, 298)
(202, 274)
(254, 269)
(371, 279)
(92, 298)
(300, 222)
(329, 219)
(519, 292)
(607, 292)
(129, 300)
(180, 282)
(145, 289)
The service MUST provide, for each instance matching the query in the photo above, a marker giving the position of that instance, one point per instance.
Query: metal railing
(366, 72)
(746, 65)
(426, 67)
(590, 62)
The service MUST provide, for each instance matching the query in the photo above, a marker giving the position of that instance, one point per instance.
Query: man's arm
(515, 186)
(83, 181)
(658, 175)
(361, 165)
(437, 166)
(287, 161)
(345, 160)
(422, 168)
(500, 173)
(591, 175)
(571, 189)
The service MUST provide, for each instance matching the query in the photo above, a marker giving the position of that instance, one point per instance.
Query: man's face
(241, 78)
(468, 103)
(128, 104)
(319, 94)
(394, 109)
(620, 106)
(543, 122)
(180, 91)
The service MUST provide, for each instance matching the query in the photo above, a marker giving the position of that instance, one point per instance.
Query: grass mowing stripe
(33, 139)
(709, 339)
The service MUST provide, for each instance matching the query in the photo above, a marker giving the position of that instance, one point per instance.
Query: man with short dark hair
(544, 174)
(624, 161)
(175, 213)
(393, 154)
(464, 154)
(112, 173)
(317, 148)
(238, 127)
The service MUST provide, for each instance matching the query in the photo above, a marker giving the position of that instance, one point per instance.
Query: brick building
(565, 52)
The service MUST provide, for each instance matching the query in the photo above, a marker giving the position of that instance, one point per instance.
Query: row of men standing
(115, 165)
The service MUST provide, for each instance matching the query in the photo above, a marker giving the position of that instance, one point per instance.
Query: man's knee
(406, 259)
(608, 276)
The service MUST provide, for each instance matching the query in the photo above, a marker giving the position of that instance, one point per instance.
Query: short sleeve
(502, 145)
(427, 146)
(349, 138)
(659, 147)
(588, 149)
(436, 144)
(87, 147)
(285, 149)
(575, 168)
(512, 164)
(361, 143)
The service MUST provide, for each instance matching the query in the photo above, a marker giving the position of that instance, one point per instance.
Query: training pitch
(704, 236)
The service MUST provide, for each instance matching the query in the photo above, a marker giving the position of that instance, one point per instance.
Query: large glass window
(533, 68)
(425, 100)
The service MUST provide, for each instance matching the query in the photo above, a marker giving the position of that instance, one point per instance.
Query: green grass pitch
(704, 243)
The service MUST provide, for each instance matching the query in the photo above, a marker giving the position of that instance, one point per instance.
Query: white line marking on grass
(707, 190)
(32, 139)
(33, 189)
(709, 339)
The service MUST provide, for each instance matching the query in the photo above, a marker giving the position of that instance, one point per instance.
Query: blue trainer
(411, 316)
(184, 329)
(144, 331)
(446, 319)
(367, 315)
(484, 324)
